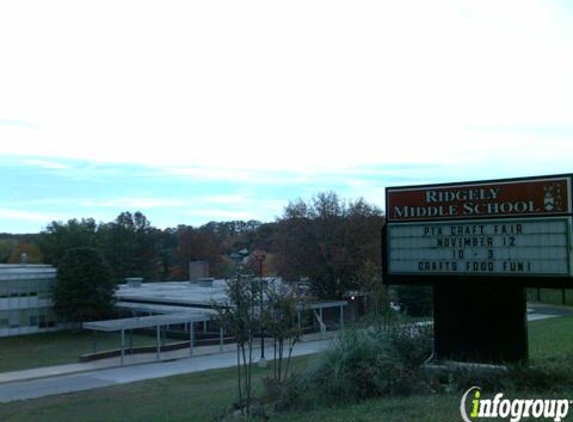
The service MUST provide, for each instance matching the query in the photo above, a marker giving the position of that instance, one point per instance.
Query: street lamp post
(260, 256)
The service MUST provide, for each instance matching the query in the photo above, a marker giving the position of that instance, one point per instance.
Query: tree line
(327, 241)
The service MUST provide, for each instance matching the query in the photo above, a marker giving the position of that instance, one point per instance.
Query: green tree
(166, 246)
(59, 237)
(7, 246)
(131, 246)
(85, 288)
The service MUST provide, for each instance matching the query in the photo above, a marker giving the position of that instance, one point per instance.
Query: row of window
(41, 288)
(41, 295)
(40, 318)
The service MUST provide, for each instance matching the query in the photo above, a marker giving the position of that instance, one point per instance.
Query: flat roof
(21, 271)
(145, 322)
(174, 296)
(174, 292)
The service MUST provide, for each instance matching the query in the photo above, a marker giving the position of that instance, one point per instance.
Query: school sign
(508, 228)
(479, 245)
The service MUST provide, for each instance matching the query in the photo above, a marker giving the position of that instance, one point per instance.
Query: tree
(7, 246)
(59, 237)
(328, 241)
(368, 281)
(197, 245)
(283, 309)
(240, 318)
(166, 246)
(131, 246)
(415, 300)
(85, 288)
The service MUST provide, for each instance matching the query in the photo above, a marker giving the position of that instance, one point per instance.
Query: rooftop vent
(198, 270)
(134, 281)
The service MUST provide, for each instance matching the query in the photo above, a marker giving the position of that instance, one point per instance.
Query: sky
(193, 111)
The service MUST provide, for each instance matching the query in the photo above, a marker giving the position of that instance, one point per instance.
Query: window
(14, 288)
(42, 321)
(3, 289)
(14, 319)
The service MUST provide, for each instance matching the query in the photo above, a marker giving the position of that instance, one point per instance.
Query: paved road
(537, 312)
(23, 390)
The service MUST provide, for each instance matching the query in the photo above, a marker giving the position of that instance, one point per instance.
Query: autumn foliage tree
(197, 245)
(328, 241)
(29, 250)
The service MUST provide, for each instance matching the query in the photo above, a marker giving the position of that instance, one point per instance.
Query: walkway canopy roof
(146, 322)
(152, 308)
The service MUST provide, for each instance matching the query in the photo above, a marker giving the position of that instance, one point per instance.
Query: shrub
(552, 374)
(362, 363)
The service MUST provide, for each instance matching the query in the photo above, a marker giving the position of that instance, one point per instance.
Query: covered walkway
(188, 318)
(178, 315)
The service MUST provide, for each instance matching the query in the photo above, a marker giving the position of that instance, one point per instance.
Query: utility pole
(260, 256)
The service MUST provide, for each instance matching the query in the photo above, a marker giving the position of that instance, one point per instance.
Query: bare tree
(240, 318)
(283, 321)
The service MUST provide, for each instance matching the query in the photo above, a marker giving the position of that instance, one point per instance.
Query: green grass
(443, 408)
(196, 397)
(199, 397)
(202, 397)
(47, 349)
(550, 337)
(432, 408)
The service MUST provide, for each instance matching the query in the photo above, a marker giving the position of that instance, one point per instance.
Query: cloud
(370, 83)
(220, 214)
(133, 203)
(206, 106)
(52, 165)
(32, 216)
(21, 124)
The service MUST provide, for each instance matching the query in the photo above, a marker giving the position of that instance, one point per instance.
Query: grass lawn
(46, 349)
(443, 408)
(196, 397)
(201, 397)
(550, 336)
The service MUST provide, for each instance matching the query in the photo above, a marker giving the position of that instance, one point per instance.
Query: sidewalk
(139, 359)
(82, 377)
